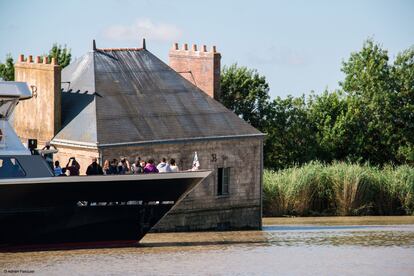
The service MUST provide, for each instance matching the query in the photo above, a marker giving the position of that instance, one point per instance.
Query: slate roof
(122, 96)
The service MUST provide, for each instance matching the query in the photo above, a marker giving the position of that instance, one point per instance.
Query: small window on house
(223, 181)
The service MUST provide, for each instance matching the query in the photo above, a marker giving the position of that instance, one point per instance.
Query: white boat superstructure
(10, 94)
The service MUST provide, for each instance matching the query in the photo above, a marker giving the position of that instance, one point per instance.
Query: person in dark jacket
(113, 167)
(73, 168)
(124, 166)
(63, 172)
(94, 168)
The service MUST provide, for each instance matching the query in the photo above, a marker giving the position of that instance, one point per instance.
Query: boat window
(10, 167)
(6, 107)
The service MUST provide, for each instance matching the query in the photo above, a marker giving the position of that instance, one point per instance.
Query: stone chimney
(198, 65)
(38, 117)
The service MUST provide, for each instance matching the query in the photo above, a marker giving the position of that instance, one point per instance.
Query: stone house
(127, 102)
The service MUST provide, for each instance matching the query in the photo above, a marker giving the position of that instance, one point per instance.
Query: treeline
(369, 119)
(339, 189)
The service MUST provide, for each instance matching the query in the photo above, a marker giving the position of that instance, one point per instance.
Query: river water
(308, 246)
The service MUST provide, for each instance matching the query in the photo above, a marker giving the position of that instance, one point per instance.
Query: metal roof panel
(137, 97)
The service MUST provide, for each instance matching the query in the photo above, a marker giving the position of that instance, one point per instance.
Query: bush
(339, 189)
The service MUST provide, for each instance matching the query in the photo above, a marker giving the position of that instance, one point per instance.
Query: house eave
(76, 144)
(89, 145)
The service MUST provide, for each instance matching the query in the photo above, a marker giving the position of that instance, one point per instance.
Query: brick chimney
(40, 116)
(199, 66)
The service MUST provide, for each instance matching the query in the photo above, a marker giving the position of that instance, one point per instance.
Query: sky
(298, 46)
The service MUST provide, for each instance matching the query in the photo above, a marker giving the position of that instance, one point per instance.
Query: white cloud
(143, 28)
(282, 57)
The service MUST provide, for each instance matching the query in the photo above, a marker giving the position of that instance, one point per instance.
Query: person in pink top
(150, 167)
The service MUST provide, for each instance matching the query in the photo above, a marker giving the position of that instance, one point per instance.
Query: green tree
(61, 53)
(245, 92)
(371, 118)
(325, 111)
(403, 75)
(7, 69)
(291, 135)
(372, 126)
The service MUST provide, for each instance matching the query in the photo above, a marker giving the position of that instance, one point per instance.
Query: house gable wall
(203, 209)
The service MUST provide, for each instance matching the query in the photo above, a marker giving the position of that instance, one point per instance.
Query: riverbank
(343, 189)
(339, 220)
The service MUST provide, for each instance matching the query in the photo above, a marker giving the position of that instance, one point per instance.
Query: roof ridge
(119, 49)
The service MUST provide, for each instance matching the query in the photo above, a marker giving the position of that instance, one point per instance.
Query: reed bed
(340, 188)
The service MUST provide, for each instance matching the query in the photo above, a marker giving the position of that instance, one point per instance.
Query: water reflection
(346, 236)
(308, 228)
(305, 249)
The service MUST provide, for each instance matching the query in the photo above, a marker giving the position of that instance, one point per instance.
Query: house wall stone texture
(40, 116)
(203, 209)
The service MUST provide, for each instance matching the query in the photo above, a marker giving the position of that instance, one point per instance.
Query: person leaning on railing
(173, 166)
(150, 167)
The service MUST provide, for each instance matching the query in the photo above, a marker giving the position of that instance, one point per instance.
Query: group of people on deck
(113, 167)
(138, 167)
(72, 167)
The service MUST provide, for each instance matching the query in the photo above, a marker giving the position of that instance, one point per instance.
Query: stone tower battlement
(201, 66)
(38, 60)
(40, 116)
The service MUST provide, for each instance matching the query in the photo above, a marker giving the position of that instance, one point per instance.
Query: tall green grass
(339, 189)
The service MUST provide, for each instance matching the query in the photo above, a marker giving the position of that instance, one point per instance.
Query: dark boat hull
(88, 210)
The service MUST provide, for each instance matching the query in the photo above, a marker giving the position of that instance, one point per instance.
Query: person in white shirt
(173, 166)
(163, 166)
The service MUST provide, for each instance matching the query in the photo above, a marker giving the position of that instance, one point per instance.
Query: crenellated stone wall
(199, 66)
(38, 117)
